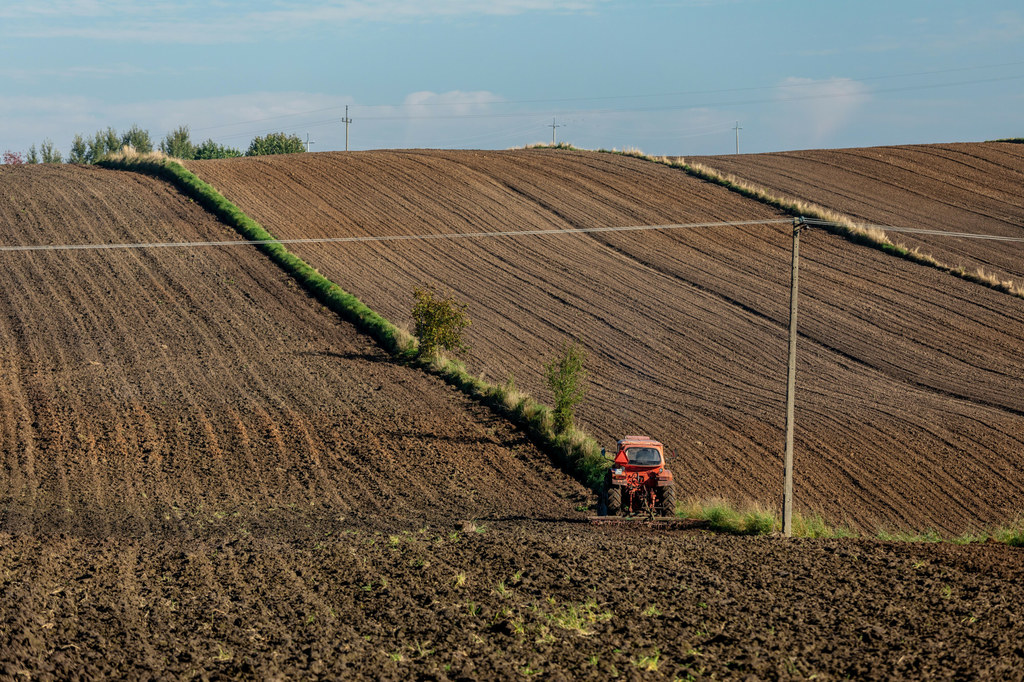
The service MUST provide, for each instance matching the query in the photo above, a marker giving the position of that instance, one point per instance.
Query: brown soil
(564, 600)
(948, 187)
(910, 408)
(205, 476)
(143, 387)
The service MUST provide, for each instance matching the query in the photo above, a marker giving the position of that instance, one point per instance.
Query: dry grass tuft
(127, 153)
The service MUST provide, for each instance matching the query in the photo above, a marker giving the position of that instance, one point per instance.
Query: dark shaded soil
(507, 600)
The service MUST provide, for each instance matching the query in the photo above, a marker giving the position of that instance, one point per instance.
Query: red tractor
(638, 482)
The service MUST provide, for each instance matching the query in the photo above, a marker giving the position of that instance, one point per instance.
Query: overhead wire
(383, 238)
(919, 230)
(479, 235)
(365, 110)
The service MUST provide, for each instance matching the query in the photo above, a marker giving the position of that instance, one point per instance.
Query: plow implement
(648, 522)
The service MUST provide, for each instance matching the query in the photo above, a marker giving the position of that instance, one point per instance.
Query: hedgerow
(576, 452)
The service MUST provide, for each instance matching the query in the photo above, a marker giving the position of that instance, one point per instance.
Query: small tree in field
(439, 321)
(565, 376)
(79, 151)
(138, 139)
(276, 143)
(102, 143)
(212, 150)
(49, 153)
(178, 144)
(13, 158)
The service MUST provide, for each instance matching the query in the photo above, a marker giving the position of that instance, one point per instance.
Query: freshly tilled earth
(967, 187)
(910, 382)
(204, 475)
(505, 600)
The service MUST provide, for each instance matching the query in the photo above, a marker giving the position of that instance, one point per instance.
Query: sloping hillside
(162, 390)
(204, 475)
(949, 187)
(909, 398)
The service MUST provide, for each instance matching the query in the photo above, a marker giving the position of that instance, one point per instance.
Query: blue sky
(664, 76)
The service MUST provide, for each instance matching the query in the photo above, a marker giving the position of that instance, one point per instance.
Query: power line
(919, 230)
(385, 238)
(553, 126)
(478, 235)
(346, 120)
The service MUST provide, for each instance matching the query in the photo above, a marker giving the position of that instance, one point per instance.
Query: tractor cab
(639, 451)
(637, 480)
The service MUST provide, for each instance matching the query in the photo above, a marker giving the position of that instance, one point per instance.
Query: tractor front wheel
(668, 501)
(614, 500)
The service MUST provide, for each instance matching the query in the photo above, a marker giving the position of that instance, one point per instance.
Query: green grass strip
(574, 451)
(723, 516)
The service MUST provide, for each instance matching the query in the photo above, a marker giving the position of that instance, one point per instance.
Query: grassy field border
(754, 519)
(837, 223)
(577, 453)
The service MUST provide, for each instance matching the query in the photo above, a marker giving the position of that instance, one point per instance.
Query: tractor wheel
(668, 501)
(614, 500)
(602, 504)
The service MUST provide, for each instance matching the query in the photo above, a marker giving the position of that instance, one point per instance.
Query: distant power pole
(737, 129)
(346, 121)
(308, 142)
(553, 126)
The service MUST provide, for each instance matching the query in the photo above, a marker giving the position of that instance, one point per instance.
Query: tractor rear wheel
(668, 501)
(614, 500)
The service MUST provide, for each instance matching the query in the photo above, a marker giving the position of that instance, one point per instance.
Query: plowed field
(139, 379)
(910, 408)
(949, 187)
(205, 476)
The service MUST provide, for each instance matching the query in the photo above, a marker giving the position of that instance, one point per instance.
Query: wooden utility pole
(737, 129)
(346, 121)
(787, 494)
(553, 126)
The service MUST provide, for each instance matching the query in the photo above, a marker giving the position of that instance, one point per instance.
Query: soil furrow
(674, 343)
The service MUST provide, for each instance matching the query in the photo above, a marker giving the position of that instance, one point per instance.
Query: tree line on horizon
(177, 143)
